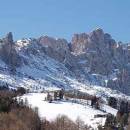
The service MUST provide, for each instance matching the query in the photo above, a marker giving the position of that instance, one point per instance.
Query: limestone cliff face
(56, 48)
(102, 52)
(104, 56)
(95, 53)
(59, 50)
(122, 82)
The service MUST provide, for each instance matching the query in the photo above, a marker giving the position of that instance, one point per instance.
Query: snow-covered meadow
(73, 110)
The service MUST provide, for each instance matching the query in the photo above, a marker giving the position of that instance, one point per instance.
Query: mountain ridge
(94, 58)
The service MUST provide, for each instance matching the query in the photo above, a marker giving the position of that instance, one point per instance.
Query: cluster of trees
(20, 91)
(77, 94)
(64, 123)
(14, 115)
(128, 127)
(120, 122)
(124, 107)
(56, 95)
(20, 119)
(95, 101)
(4, 87)
(122, 119)
(121, 105)
(59, 94)
(8, 100)
(112, 102)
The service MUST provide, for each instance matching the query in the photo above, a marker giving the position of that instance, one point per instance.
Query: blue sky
(63, 18)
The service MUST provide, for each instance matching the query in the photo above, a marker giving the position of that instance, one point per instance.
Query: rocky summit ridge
(95, 58)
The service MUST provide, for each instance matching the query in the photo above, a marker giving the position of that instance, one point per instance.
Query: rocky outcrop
(8, 52)
(104, 56)
(122, 82)
(59, 50)
(102, 52)
(55, 48)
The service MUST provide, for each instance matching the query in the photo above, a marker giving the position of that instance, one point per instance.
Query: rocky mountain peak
(92, 41)
(53, 43)
(9, 38)
(46, 40)
(97, 33)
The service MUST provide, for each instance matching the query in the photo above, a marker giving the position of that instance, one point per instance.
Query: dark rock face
(9, 38)
(104, 56)
(8, 52)
(122, 82)
(102, 52)
(58, 49)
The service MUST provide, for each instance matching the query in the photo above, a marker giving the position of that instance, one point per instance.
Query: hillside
(71, 109)
(92, 62)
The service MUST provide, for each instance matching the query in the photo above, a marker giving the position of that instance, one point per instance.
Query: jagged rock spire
(9, 37)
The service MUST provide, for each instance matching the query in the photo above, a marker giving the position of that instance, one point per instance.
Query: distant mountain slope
(91, 62)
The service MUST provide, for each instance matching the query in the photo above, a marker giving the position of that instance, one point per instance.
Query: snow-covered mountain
(93, 63)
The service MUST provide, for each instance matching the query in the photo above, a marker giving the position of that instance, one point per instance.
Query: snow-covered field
(73, 110)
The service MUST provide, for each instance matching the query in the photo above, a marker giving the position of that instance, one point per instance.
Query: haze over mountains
(93, 59)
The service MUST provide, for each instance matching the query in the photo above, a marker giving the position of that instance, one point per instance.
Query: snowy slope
(39, 72)
(43, 72)
(73, 110)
